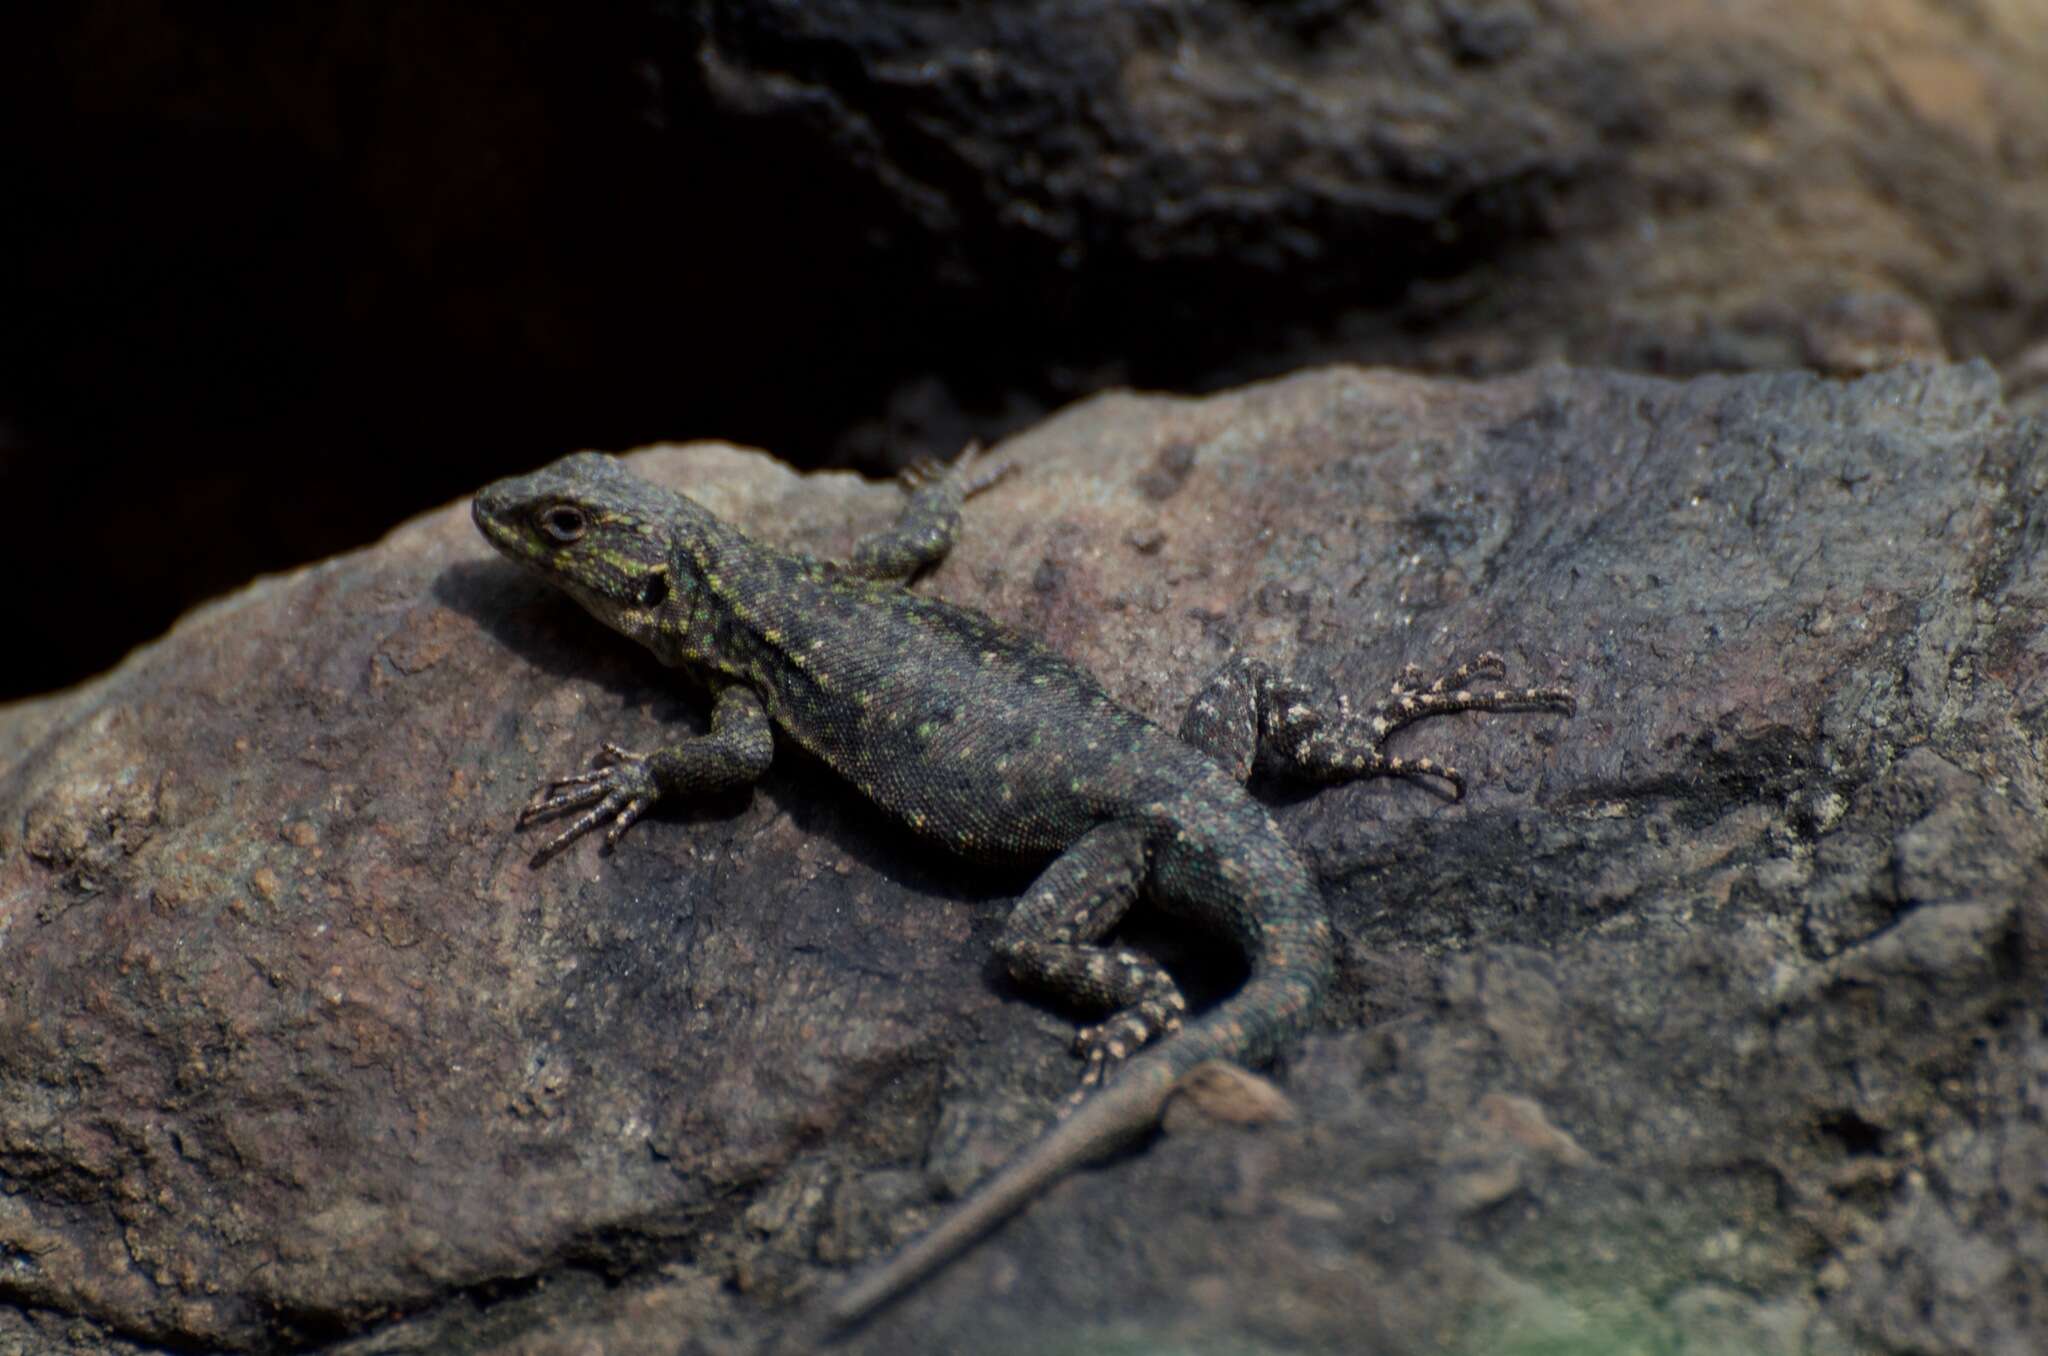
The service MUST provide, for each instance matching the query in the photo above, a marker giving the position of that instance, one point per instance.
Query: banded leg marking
(1249, 709)
(1051, 943)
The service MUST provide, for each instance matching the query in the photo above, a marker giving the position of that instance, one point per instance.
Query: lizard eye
(653, 590)
(564, 522)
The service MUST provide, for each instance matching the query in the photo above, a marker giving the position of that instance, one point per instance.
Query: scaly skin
(989, 742)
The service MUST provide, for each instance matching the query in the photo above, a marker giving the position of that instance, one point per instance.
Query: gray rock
(1712, 1020)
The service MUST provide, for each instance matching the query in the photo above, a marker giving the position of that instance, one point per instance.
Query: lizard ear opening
(653, 590)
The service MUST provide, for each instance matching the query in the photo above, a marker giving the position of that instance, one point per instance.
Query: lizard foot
(621, 789)
(1410, 699)
(931, 471)
(1109, 1043)
(1249, 711)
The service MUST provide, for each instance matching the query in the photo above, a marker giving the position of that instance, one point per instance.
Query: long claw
(1487, 665)
(579, 826)
(634, 808)
(984, 479)
(1418, 769)
(585, 789)
(574, 779)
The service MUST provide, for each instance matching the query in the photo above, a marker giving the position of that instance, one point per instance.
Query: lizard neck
(746, 620)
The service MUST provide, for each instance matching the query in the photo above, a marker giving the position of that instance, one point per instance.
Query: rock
(869, 231)
(1717, 1008)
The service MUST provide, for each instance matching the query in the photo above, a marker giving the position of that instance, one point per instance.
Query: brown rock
(294, 1048)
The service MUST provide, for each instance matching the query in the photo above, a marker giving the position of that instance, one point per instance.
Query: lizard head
(628, 551)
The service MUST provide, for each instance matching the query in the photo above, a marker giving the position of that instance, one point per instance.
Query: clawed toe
(928, 471)
(620, 789)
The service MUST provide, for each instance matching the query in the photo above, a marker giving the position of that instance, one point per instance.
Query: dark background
(275, 281)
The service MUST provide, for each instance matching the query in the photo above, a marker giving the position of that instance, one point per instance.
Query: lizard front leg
(925, 530)
(1051, 943)
(736, 752)
(1248, 710)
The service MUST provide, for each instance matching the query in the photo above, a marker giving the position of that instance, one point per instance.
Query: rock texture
(1712, 1021)
(1668, 185)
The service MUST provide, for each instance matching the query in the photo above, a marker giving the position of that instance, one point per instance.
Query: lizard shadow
(535, 620)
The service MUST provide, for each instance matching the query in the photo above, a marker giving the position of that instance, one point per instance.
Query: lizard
(995, 745)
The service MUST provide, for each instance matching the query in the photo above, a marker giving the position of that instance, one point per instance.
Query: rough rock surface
(1712, 1021)
(1670, 185)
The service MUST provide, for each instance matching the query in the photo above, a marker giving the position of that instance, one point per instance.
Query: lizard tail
(1243, 1029)
(1103, 1123)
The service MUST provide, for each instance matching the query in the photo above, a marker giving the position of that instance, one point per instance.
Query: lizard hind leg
(1249, 709)
(1052, 944)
